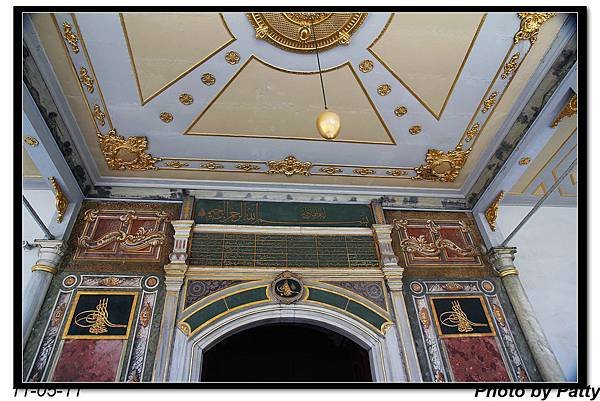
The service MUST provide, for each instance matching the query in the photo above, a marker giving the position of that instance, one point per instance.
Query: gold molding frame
(437, 116)
(491, 213)
(183, 74)
(115, 147)
(61, 201)
(442, 166)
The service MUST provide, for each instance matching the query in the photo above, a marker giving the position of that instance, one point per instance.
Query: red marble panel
(89, 361)
(475, 359)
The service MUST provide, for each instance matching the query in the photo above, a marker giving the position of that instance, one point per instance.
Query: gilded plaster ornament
(247, 167)
(363, 171)
(186, 99)
(511, 65)
(472, 132)
(569, 110)
(415, 130)
(232, 57)
(366, 66)
(442, 166)
(208, 79)
(330, 170)
(298, 31)
(289, 166)
(384, 89)
(491, 213)
(530, 26)
(525, 161)
(400, 111)
(212, 166)
(70, 37)
(176, 164)
(86, 80)
(126, 154)
(31, 141)
(61, 202)
(166, 117)
(396, 173)
(99, 115)
(489, 102)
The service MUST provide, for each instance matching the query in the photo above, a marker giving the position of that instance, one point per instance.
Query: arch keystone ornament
(294, 31)
(287, 288)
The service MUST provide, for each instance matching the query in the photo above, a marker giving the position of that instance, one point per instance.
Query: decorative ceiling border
(183, 74)
(256, 58)
(408, 88)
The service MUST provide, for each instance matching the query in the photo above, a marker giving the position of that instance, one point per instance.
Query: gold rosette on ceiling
(292, 31)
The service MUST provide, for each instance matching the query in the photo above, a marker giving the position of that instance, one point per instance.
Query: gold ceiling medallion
(99, 115)
(384, 89)
(289, 166)
(232, 57)
(31, 141)
(511, 65)
(491, 213)
(70, 37)
(126, 154)
(396, 173)
(176, 164)
(61, 202)
(247, 167)
(212, 166)
(442, 166)
(294, 31)
(365, 66)
(472, 132)
(569, 110)
(166, 117)
(415, 130)
(208, 79)
(400, 111)
(363, 171)
(86, 80)
(525, 161)
(530, 25)
(489, 102)
(186, 98)
(330, 170)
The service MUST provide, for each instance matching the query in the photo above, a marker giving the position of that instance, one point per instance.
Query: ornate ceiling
(207, 99)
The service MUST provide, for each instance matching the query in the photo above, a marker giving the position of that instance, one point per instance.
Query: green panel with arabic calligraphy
(281, 214)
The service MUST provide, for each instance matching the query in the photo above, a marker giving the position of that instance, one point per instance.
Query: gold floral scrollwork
(511, 65)
(176, 164)
(489, 102)
(70, 37)
(289, 166)
(330, 170)
(86, 80)
(569, 110)
(232, 57)
(99, 115)
(247, 167)
(530, 25)
(396, 172)
(126, 154)
(415, 130)
(363, 171)
(491, 213)
(61, 201)
(442, 166)
(166, 117)
(365, 66)
(208, 79)
(212, 166)
(400, 111)
(472, 132)
(384, 89)
(186, 99)
(31, 141)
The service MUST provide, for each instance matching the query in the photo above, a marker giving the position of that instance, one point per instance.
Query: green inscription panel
(283, 251)
(281, 214)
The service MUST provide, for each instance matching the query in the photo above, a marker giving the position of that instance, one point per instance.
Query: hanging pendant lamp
(328, 122)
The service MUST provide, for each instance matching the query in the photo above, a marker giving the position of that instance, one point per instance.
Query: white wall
(547, 262)
(43, 203)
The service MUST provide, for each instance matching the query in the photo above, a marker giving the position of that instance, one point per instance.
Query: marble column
(50, 253)
(502, 260)
(393, 276)
(174, 277)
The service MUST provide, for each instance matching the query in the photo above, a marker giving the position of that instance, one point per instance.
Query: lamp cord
(319, 64)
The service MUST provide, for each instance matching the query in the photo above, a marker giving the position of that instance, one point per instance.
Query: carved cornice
(491, 213)
(442, 166)
(289, 166)
(126, 154)
(61, 201)
(569, 110)
(530, 25)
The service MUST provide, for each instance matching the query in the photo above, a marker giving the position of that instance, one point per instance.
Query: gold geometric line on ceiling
(74, 70)
(181, 75)
(254, 57)
(437, 116)
(561, 191)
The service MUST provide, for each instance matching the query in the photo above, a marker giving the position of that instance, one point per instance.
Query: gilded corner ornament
(70, 37)
(289, 166)
(126, 154)
(491, 213)
(86, 80)
(569, 110)
(61, 201)
(442, 166)
(530, 26)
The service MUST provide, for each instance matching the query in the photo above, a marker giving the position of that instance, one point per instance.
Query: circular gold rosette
(294, 31)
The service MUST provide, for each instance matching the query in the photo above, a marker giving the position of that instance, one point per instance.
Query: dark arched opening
(286, 352)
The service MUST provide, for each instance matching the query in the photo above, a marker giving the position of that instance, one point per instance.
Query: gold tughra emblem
(96, 320)
(286, 290)
(458, 318)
